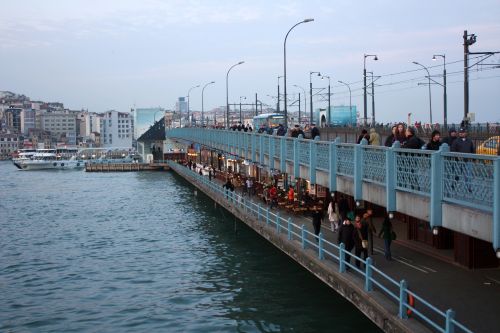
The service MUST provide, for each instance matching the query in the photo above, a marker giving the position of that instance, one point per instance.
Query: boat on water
(22, 155)
(72, 158)
(44, 159)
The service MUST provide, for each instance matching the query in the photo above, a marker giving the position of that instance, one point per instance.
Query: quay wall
(373, 305)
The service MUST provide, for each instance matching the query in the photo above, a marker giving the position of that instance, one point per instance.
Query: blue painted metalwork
(345, 159)
(448, 318)
(323, 155)
(496, 205)
(468, 180)
(368, 274)
(403, 286)
(436, 206)
(374, 164)
(332, 181)
(289, 228)
(342, 258)
(390, 186)
(413, 169)
(296, 165)
(290, 144)
(463, 179)
(321, 255)
(304, 152)
(304, 237)
(358, 171)
(277, 146)
(282, 154)
(312, 161)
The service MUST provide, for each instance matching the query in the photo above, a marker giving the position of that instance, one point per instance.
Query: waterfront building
(181, 106)
(61, 124)
(12, 118)
(9, 143)
(27, 120)
(116, 129)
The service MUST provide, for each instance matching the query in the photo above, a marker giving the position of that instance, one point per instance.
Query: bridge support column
(358, 171)
(296, 154)
(312, 160)
(282, 154)
(390, 177)
(333, 164)
(436, 202)
(496, 206)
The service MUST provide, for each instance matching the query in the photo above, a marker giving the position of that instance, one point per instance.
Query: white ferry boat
(22, 155)
(43, 159)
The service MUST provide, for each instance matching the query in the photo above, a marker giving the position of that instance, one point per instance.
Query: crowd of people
(407, 137)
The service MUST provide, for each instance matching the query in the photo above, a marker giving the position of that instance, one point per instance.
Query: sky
(117, 54)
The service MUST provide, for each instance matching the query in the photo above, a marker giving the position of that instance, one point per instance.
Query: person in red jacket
(273, 196)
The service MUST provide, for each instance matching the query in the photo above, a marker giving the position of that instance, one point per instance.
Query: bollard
(320, 247)
(368, 274)
(289, 228)
(303, 236)
(278, 226)
(341, 258)
(450, 326)
(402, 299)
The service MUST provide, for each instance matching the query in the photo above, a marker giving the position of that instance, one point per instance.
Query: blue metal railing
(373, 278)
(462, 179)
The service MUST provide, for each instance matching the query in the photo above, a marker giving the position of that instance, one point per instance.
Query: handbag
(364, 242)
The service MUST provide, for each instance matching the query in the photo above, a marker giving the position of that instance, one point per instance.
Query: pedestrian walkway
(473, 295)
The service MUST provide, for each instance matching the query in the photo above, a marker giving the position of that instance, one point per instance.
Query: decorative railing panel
(468, 180)
(413, 171)
(289, 149)
(304, 152)
(265, 143)
(277, 146)
(323, 156)
(345, 159)
(374, 164)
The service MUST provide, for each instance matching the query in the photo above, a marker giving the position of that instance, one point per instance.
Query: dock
(125, 167)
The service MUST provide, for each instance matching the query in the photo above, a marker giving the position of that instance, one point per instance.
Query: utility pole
(299, 109)
(467, 42)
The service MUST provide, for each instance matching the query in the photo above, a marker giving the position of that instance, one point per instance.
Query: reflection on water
(136, 252)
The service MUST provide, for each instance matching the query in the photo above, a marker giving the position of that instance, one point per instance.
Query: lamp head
(308, 20)
(212, 82)
(376, 58)
(241, 62)
(416, 63)
(434, 58)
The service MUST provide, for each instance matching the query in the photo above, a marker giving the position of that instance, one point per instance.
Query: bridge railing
(373, 278)
(466, 180)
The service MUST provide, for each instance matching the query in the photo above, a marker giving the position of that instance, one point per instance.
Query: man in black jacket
(452, 136)
(314, 131)
(463, 144)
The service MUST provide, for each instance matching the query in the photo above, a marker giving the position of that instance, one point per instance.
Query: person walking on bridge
(360, 236)
(387, 234)
(346, 237)
(317, 217)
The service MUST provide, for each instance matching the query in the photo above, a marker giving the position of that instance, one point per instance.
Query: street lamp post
(202, 103)
(373, 99)
(329, 99)
(311, 95)
(240, 107)
(189, 91)
(284, 67)
(278, 105)
(365, 111)
(445, 98)
(430, 97)
(350, 98)
(305, 100)
(227, 92)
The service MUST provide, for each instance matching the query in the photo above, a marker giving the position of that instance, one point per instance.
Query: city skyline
(121, 55)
